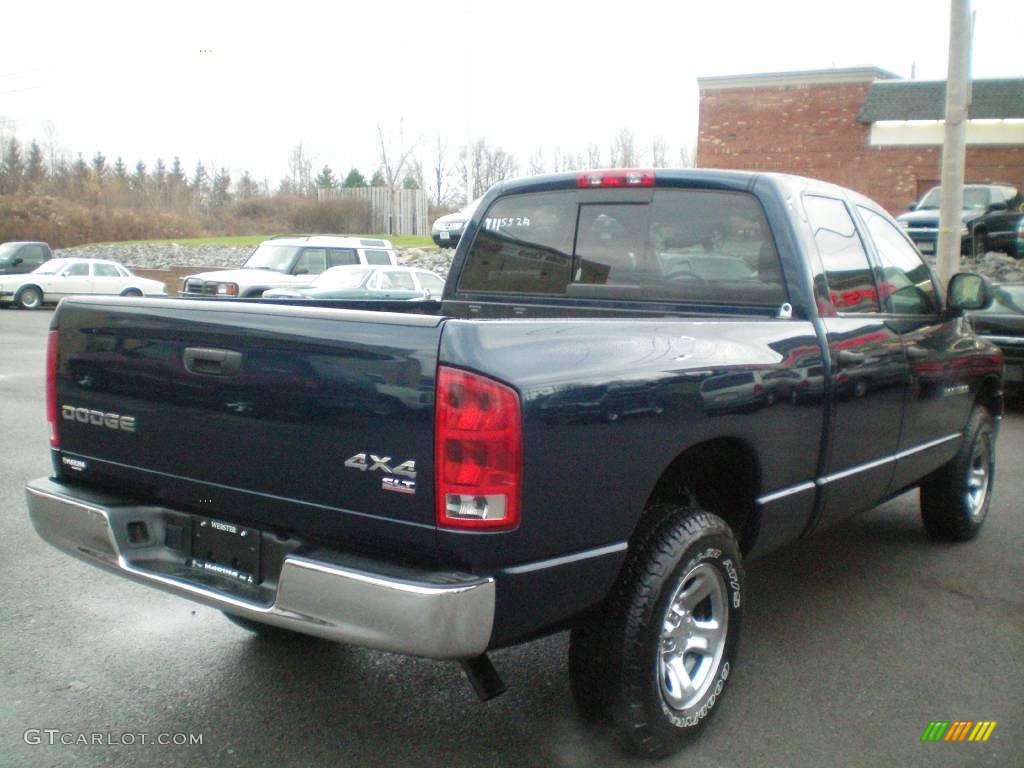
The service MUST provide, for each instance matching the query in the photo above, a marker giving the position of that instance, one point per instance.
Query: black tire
(29, 297)
(979, 244)
(271, 633)
(683, 574)
(955, 499)
(134, 292)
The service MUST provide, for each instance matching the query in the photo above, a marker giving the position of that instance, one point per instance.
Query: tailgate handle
(206, 361)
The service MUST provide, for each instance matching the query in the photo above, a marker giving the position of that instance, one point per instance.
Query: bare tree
(300, 168)
(659, 152)
(623, 151)
(687, 157)
(593, 156)
(535, 164)
(489, 166)
(393, 163)
(440, 175)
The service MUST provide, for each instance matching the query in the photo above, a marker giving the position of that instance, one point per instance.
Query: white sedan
(58, 278)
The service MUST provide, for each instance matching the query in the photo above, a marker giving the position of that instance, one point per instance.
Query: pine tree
(12, 169)
(35, 171)
(325, 179)
(378, 179)
(246, 187)
(220, 186)
(354, 179)
(138, 181)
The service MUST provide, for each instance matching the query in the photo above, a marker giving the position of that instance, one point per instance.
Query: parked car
(980, 200)
(1002, 324)
(20, 257)
(285, 262)
(448, 229)
(58, 278)
(366, 282)
(1001, 229)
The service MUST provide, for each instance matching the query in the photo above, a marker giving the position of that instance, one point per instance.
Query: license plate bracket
(226, 549)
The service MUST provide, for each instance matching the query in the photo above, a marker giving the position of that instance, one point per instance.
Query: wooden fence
(401, 213)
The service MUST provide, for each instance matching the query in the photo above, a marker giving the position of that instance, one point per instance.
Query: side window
(904, 283)
(33, 255)
(338, 257)
(105, 270)
(401, 281)
(374, 256)
(77, 270)
(312, 261)
(851, 287)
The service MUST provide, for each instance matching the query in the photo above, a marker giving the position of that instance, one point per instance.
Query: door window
(105, 270)
(851, 287)
(904, 281)
(338, 257)
(77, 270)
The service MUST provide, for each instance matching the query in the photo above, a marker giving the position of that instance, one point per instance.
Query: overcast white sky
(135, 79)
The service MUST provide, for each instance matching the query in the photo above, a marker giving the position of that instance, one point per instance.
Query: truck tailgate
(292, 419)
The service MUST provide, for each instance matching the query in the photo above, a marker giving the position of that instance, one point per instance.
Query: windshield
(341, 277)
(50, 267)
(974, 197)
(279, 258)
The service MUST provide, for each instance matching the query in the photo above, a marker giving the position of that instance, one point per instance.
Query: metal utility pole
(470, 181)
(954, 145)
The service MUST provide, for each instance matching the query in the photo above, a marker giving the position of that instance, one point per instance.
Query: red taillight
(616, 177)
(478, 452)
(51, 388)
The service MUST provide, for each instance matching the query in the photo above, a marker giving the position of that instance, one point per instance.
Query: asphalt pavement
(853, 642)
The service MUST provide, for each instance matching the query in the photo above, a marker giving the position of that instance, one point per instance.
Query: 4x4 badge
(368, 462)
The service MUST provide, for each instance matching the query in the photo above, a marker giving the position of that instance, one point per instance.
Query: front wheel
(29, 298)
(667, 643)
(955, 498)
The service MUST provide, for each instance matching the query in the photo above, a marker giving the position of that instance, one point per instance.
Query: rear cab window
(664, 245)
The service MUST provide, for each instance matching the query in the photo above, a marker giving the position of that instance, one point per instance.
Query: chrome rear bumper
(327, 594)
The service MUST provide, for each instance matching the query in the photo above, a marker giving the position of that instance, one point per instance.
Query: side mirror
(968, 291)
(16, 261)
(912, 206)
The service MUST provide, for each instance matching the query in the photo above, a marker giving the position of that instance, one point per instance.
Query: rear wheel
(132, 292)
(29, 297)
(955, 499)
(658, 660)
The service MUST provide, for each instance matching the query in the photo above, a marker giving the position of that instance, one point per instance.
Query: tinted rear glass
(378, 257)
(665, 245)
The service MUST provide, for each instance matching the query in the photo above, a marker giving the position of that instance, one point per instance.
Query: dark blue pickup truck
(634, 382)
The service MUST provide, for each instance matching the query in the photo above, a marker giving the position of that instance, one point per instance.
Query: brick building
(863, 128)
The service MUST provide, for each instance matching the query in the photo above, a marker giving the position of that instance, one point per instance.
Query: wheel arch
(990, 395)
(26, 286)
(724, 474)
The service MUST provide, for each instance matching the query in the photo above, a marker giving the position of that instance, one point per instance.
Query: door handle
(846, 357)
(205, 361)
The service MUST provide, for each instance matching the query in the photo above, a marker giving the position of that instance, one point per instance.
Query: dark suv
(983, 203)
